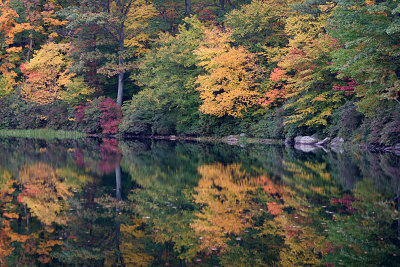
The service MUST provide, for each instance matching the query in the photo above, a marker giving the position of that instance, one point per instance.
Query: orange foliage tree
(9, 52)
(37, 18)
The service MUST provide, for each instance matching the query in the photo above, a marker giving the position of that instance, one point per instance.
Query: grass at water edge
(42, 134)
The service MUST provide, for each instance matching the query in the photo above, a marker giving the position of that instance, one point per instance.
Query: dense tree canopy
(270, 68)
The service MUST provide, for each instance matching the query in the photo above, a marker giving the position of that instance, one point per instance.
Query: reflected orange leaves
(226, 193)
(269, 186)
(275, 191)
(274, 208)
(45, 190)
(32, 244)
(5, 248)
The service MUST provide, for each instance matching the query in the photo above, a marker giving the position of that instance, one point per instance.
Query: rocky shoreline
(303, 143)
(306, 143)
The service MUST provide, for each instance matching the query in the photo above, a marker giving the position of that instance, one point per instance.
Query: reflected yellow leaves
(227, 195)
(310, 178)
(132, 246)
(33, 244)
(46, 189)
(226, 192)
(44, 192)
(6, 185)
(295, 217)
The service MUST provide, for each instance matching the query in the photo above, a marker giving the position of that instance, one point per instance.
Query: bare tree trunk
(120, 86)
(230, 3)
(118, 182)
(121, 73)
(222, 4)
(28, 56)
(188, 8)
(398, 209)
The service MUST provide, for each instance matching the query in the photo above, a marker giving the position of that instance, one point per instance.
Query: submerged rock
(232, 140)
(394, 149)
(323, 142)
(289, 142)
(337, 141)
(306, 140)
(305, 147)
(268, 141)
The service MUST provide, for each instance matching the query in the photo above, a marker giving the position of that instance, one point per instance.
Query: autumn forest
(199, 133)
(269, 69)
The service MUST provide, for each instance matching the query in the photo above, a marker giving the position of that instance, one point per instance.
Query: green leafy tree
(168, 101)
(369, 32)
(259, 25)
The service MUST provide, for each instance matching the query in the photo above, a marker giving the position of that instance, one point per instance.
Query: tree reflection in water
(132, 203)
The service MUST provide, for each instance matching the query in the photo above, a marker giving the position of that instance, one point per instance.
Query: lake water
(158, 203)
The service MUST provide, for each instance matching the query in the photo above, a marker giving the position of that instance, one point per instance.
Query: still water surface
(144, 203)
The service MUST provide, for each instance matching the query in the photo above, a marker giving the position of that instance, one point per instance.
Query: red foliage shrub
(102, 115)
(111, 116)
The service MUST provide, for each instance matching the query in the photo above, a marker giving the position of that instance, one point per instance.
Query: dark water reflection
(133, 203)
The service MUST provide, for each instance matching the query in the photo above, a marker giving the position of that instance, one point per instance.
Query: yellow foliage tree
(230, 84)
(137, 24)
(41, 18)
(48, 77)
(127, 21)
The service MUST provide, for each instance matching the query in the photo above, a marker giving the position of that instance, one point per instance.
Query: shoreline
(341, 147)
(239, 140)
